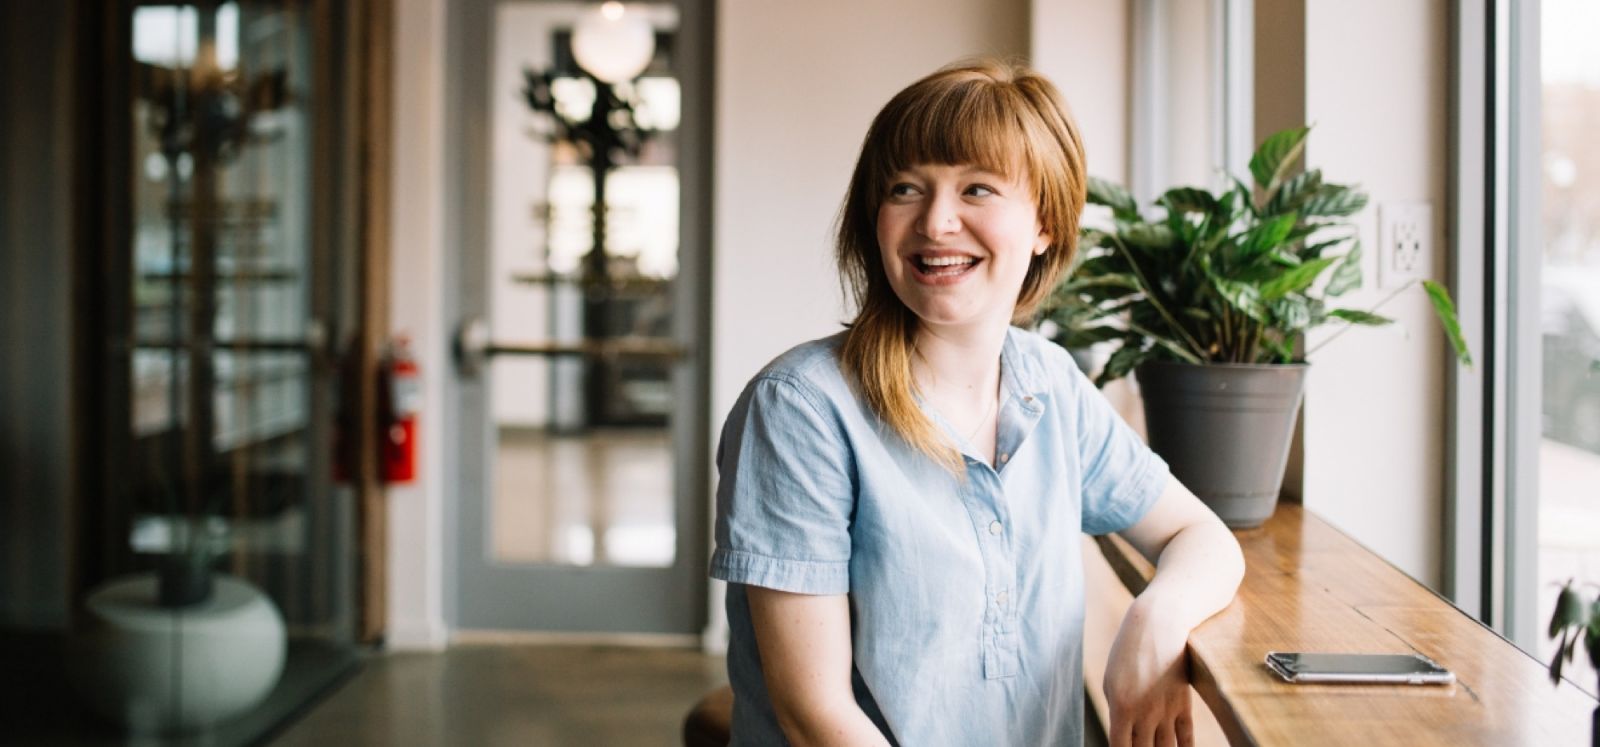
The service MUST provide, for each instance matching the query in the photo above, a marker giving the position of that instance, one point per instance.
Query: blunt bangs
(970, 122)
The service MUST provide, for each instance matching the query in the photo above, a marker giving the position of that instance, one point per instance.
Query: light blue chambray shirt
(966, 600)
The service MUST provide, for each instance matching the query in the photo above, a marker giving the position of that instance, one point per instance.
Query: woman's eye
(980, 190)
(902, 190)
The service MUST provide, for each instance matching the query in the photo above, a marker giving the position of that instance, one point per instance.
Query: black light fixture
(594, 106)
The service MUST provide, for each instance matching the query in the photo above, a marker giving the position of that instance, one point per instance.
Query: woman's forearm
(1196, 576)
(845, 724)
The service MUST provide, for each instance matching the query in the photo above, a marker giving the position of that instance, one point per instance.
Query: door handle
(473, 348)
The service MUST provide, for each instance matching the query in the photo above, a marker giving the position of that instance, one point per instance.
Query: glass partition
(214, 557)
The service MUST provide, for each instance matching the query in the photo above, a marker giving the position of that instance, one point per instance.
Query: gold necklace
(993, 402)
(985, 418)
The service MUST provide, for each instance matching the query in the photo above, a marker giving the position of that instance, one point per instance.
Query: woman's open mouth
(943, 267)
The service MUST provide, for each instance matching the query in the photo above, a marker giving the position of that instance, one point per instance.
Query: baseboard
(552, 638)
(417, 636)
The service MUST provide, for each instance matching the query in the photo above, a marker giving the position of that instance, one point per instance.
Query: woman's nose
(939, 216)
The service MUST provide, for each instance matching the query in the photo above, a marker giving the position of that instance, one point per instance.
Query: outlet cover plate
(1405, 243)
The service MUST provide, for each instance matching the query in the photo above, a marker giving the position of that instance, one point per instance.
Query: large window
(1569, 308)
(1526, 467)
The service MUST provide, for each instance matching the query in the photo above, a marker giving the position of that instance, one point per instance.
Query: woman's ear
(1041, 244)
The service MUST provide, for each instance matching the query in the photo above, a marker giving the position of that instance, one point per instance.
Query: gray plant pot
(1224, 429)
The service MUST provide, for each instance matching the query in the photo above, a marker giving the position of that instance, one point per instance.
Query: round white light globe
(613, 44)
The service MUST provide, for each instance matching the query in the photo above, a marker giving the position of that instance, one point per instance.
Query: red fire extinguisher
(403, 389)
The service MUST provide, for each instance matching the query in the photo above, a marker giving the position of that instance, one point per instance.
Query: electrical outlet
(1405, 243)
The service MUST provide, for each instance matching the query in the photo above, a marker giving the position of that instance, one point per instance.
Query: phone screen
(1356, 666)
(1357, 663)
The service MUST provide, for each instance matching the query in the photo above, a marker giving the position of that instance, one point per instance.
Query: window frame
(1492, 517)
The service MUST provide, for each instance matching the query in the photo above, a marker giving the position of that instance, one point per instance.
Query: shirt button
(994, 527)
(1027, 399)
(1003, 457)
(1001, 598)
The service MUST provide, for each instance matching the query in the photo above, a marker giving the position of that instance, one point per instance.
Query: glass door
(581, 444)
(217, 544)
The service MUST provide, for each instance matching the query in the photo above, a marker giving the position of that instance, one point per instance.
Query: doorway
(580, 447)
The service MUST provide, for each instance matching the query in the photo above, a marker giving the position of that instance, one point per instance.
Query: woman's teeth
(945, 265)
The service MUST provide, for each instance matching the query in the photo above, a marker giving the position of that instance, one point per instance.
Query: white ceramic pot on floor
(158, 669)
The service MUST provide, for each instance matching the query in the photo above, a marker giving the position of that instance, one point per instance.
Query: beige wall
(797, 84)
(1083, 46)
(1374, 415)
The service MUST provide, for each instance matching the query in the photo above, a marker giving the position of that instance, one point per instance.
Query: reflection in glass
(583, 469)
(1569, 462)
(229, 592)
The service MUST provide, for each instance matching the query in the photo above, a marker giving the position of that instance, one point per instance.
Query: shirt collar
(1024, 375)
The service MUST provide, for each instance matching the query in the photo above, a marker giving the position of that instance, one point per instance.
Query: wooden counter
(1309, 587)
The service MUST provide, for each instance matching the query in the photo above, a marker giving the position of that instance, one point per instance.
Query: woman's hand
(1198, 568)
(1147, 680)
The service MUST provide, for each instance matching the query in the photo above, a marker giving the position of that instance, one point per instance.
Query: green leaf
(1296, 279)
(1265, 236)
(1555, 664)
(1146, 235)
(1246, 197)
(1276, 156)
(1083, 337)
(1120, 363)
(1189, 200)
(1333, 200)
(1445, 309)
(1282, 350)
(1109, 279)
(1283, 258)
(1355, 316)
(1347, 276)
(1312, 251)
(1319, 311)
(1292, 312)
(1108, 193)
(1569, 611)
(1242, 296)
(1295, 192)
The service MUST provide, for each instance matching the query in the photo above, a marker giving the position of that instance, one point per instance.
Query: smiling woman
(901, 505)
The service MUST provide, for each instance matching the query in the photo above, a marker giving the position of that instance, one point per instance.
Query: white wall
(797, 84)
(416, 307)
(1374, 414)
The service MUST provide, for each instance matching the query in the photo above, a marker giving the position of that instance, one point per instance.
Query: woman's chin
(950, 319)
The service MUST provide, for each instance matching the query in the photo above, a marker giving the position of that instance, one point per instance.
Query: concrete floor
(525, 695)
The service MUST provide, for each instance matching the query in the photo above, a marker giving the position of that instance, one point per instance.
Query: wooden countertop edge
(1135, 571)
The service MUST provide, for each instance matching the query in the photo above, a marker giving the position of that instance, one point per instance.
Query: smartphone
(1410, 669)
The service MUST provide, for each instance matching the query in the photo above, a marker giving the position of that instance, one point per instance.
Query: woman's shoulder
(1040, 361)
(808, 359)
(812, 366)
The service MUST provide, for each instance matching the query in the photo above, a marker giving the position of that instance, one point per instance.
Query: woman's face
(957, 241)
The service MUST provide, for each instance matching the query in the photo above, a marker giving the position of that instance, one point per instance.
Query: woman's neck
(959, 362)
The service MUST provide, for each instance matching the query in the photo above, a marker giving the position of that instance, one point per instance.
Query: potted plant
(1072, 319)
(1208, 301)
(1576, 619)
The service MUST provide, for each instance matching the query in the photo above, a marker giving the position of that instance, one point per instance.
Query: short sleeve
(1122, 477)
(786, 494)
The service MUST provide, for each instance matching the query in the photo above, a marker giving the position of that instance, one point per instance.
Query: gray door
(581, 439)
